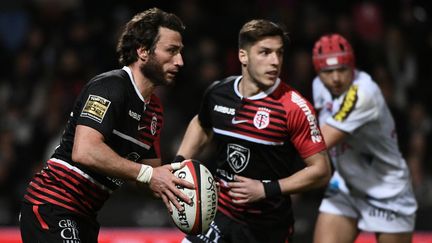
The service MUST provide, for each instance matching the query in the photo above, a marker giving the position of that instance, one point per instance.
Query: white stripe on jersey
(131, 139)
(82, 173)
(236, 135)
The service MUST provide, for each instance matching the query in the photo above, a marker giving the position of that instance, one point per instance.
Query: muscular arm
(316, 174)
(194, 140)
(91, 150)
(332, 136)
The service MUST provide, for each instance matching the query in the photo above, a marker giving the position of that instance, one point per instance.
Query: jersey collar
(129, 72)
(258, 96)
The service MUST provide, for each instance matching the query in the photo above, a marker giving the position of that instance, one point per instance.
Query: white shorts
(371, 217)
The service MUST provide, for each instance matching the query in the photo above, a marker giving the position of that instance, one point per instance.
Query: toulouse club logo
(262, 118)
(237, 157)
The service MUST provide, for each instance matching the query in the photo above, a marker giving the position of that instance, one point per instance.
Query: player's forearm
(316, 174)
(91, 151)
(194, 140)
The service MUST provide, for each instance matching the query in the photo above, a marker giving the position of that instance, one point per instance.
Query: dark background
(51, 48)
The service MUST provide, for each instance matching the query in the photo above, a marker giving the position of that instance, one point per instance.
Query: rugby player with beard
(112, 136)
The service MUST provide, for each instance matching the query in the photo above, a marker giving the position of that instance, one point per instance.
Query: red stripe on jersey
(264, 134)
(42, 222)
(76, 174)
(32, 200)
(84, 186)
(43, 198)
(72, 187)
(227, 201)
(51, 190)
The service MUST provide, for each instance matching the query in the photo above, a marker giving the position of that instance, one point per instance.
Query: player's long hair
(143, 31)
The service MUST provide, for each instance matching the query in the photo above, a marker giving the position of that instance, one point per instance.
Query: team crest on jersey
(262, 118)
(95, 108)
(237, 157)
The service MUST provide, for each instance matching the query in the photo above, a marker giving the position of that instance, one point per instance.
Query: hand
(246, 190)
(163, 184)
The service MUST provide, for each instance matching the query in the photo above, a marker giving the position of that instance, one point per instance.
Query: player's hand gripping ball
(196, 217)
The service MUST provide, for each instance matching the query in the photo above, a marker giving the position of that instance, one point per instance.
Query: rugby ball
(196, 218)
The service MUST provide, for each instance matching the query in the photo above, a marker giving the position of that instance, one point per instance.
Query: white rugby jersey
(369, 159)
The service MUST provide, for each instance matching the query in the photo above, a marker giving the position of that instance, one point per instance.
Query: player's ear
(243, 57)
(142, 54)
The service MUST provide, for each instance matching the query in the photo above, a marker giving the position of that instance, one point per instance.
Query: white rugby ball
(196, 218)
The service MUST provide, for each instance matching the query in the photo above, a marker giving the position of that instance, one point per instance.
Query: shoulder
(291, 98)
(112, 85)
(222, 83)
(112, 79)
(367, 89)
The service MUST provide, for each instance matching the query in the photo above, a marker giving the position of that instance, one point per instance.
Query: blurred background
(50, 48)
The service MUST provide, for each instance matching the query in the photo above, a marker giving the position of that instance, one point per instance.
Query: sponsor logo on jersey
(313, 124)
(237, 157)
(234, 121)
(153, 125)
(348, 104)
(134, 115)
(224, 109)
(262, 118)
(69, 231)
(95, 108)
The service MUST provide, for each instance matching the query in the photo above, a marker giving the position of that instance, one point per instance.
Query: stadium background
(51, 48)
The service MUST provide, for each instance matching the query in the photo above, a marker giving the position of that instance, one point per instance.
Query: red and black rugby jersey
(111, 104)
(258, 137)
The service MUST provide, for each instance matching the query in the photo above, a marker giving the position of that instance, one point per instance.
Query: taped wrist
(272, 189)
(145, 174)
(178, 158)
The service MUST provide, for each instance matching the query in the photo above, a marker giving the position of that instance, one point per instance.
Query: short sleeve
(101, 106)
(303, 127)
(359, 106)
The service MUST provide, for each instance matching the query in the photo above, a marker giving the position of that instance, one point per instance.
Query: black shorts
(225, 230)
(49, 223)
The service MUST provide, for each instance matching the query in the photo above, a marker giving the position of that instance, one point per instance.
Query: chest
(261, 120)
(138, 129)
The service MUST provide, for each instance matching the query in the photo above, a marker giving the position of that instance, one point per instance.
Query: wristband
(145, 174)
(179, 158)
(272, 189)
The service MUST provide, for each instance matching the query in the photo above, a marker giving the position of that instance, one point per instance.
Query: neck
(144, 85)
(247, 87)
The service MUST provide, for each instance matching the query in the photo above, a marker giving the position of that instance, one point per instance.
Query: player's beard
(153, 70)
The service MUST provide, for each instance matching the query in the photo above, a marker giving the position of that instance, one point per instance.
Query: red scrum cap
(332, 51)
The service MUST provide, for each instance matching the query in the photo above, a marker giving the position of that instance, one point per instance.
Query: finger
(183, 183)
(235, 184)
(237, 195)
(174, 200)
(177, 165)
(167, 204)
(239, 178)
(238, 190)
(181, 195)
(240, 201)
